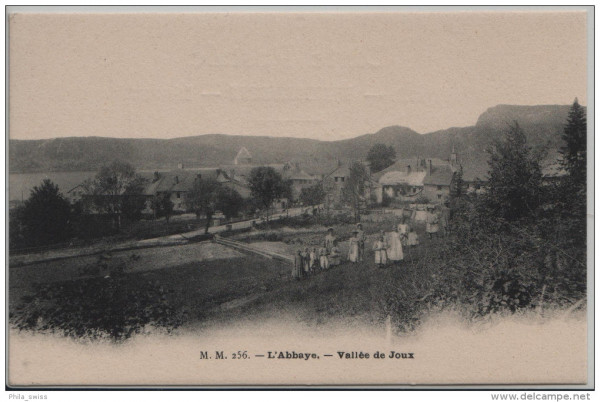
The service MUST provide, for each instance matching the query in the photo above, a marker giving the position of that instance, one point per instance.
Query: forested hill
(543, 126)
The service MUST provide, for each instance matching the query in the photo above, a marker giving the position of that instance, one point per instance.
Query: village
(417, 182)
(244, 235)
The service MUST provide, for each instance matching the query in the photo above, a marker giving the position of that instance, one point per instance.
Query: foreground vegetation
(519, 246)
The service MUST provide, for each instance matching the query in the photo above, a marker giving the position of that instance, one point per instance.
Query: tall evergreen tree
(515, 179)
(575, 150)
(45, 215)
(459, 187)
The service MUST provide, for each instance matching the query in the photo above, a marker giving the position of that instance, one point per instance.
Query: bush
(114, 308)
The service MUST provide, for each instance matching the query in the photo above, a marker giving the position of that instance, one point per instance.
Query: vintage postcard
(356, 198)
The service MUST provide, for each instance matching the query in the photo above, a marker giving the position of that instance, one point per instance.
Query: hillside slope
(542, 124)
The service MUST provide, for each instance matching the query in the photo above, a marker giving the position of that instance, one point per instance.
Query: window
(439, 187)
(439, 196)
(178, 194)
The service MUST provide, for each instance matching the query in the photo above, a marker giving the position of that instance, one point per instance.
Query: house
(243, 157)
(76, 194)
(438, 182)
(428, 179)
(178, 184)
(553, 172)
(300, 179)
(334, 181)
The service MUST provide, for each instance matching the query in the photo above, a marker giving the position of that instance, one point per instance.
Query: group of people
(310, 261)
(388, 248)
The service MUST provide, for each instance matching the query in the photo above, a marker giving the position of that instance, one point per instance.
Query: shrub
(113, 307)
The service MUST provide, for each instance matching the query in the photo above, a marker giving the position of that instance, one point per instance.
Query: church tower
(453, 157)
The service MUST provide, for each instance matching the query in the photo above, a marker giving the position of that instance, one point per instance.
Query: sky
(312, 75)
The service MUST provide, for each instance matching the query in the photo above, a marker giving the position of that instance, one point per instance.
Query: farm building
(426, 179)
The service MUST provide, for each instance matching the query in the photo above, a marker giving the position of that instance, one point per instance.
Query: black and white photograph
(305, 198)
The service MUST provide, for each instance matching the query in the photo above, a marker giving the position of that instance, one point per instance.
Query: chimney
(180, 165)
(430, 168)
(176, 179)
(408, 169)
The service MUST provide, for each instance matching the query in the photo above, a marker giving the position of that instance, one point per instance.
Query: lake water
(21, 184)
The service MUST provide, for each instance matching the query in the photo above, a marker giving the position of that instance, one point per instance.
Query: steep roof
(242, 154)
(440, 175)
(416, 164)
(402, 177)
(299, 175)
(475, 170)
(179, 180)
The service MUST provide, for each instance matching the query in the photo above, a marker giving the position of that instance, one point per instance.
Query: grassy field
(204, 284)
(164, 287)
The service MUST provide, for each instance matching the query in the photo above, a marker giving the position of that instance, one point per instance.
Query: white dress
(395, 247)
(413, 239)
(353, 252)
(381, 256)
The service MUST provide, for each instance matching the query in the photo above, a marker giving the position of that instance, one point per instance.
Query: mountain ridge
(543, 125)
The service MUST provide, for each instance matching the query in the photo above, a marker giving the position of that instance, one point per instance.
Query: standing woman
(314, 260)
(433, 223)
(306, 262)
(323, 259)
(298, 266)
(380, 248)
(395, 253)
(403, 231)
(353, 253)
(334, 257)
(361, 241)
(329, 240)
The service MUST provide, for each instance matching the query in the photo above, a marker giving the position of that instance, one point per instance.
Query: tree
(514, 187)
(574, 152)
(570, 192)
(381, 156)
(459, 188)
(229, 202)
(267, 185)
(117, 190)
(203, 198)
(354, 187)
(162, 206)
(45, 215)
(313, 195)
